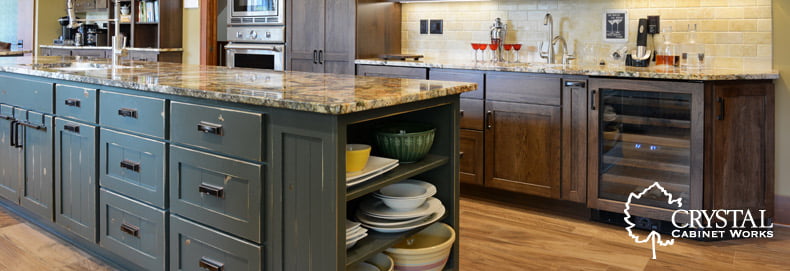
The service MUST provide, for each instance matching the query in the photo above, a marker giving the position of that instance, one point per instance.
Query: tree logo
(653, 237)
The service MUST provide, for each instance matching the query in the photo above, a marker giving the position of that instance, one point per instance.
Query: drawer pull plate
(73, 102)
(210, 264)
(575, 84)
(126, 112)
(133, 166)
(130, 230)
(210, 128)
(72, 128)
(212, 190)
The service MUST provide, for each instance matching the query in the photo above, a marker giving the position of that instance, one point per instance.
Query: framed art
(615, 25)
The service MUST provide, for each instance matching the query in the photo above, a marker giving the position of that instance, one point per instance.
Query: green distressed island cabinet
(146, 170)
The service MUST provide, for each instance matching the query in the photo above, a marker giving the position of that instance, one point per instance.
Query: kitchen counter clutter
(71, 47)
(602, 71)
(163, 166)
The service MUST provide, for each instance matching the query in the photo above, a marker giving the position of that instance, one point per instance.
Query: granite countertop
(314, 92)
(13, 53)
(602, 71)
(72, 47)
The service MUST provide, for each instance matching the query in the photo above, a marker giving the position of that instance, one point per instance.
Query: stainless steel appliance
(260, 47)
(256, 12)
(498, 33)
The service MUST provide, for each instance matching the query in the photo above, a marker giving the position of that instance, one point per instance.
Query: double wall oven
(256, 34)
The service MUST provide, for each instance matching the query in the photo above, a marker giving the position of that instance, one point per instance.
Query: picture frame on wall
(615, 25)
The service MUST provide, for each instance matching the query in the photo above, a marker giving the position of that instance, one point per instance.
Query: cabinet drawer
(217, 191)
(236, 133)
(133, 113)
(462, 76)
(132, 230)
(28, 94)
(133, 166)
(196, 247)
(95, 53)
(392, 72)
(76, 103)
(144, 56)
(522, 88)
(472, 114)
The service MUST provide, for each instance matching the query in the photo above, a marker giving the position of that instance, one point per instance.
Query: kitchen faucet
(549, 55)
(118, 40)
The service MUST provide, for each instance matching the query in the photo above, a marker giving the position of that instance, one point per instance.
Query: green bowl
(407, 142)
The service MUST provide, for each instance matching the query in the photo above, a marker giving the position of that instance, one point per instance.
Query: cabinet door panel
(462, 76)
(574, 142)
(338, 51)
(10, 159)
(472, 114)
(75, 178)
(308, 15)
(523, 148)
(471, 164)
(38, 185)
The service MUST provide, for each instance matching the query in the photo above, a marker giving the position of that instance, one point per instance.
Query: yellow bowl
(357, 157)
(428, 250)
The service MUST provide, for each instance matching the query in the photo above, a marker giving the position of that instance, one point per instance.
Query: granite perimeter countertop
(13, 53)
(314, 92)
(72, 47)
(601, 71)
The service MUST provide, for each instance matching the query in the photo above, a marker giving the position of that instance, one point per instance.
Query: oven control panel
(260, 34)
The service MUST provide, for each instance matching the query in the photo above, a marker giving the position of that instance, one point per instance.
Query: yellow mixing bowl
(357, 157)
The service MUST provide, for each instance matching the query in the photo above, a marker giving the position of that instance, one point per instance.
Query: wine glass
(507, 47)
(494, 46)
(475, 48)
(517, 47)
(482, 47)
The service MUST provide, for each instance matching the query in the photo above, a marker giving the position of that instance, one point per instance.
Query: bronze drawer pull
(593, 100)
(210, 128)
(490, 119)
(126, 112)
(133, 166)
(212, 190)
(210, 264)
(720, 100)
(13, 133)
(130, 230)
(73, 102)
(34, 126)
(72, 128)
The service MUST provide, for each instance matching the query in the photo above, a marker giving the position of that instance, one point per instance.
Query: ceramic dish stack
(375, 167)
(380, 262)
(354, 233)
(401, 207)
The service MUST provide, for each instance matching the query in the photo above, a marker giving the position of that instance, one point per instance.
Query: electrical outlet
(436, 27)
(20, 44)
(423, 26)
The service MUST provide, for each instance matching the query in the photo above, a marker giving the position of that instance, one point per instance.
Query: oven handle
(273, 48)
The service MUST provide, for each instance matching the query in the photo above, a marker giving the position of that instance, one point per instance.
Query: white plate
(428, 220)
(376, 208)
(357, 238)
(380, 222)
(353, 235)
(374, 164)
(371, 176)
(363, 266)
(350, 225)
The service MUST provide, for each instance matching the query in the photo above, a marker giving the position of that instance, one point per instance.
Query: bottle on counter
(667, 52)
(692, 53)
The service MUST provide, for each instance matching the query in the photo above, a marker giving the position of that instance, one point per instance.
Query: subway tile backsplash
(737, 33)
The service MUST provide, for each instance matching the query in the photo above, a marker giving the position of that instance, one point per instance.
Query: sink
(77, 66)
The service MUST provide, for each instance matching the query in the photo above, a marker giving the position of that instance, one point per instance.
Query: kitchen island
(167, 166)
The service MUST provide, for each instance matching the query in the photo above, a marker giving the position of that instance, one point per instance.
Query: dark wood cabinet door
(471, 142)
(523, 148)
(574, 140)
(305, 36)
(741, 150)
(337, 55)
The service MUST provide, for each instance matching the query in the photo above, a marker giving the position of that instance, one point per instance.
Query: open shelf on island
(377, 242)
(402, 172)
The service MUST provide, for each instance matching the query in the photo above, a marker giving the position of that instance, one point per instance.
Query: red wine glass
(517, 47)
(507, 47)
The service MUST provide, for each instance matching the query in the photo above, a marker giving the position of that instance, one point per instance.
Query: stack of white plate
(401, 207)
(375, 167)
(354, 233)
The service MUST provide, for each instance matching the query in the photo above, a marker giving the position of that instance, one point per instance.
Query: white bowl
(408, 189)
(382, 261)
(402, 204)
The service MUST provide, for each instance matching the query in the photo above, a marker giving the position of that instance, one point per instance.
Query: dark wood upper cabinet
(739, 171)
(320, 38)
(523, 148)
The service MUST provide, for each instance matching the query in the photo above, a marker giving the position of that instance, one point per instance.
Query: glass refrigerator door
(645, 137)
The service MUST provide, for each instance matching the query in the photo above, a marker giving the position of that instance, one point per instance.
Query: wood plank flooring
(494, 236)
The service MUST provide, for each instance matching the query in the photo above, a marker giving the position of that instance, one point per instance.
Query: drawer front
(60, 52)
(29, 94)
(132, 230)
(133, 166)
(523, 88)
(233, 132)
(472, 115)
(144, 56)
(462, 76)
(133, 113)
(217, 191)
(196, 247)
(76, 103)
(392, 72)
(90, 53)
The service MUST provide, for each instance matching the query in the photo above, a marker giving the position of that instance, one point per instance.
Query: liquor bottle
(666, 53)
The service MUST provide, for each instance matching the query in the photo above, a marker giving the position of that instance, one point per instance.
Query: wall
(47, 14)
(191, 36)
(17, 18)
(735, 31)
(781, 14)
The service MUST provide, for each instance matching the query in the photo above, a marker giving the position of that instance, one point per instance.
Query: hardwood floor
(494, 236)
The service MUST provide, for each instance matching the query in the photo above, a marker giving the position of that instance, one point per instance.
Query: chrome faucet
(550, 54)
(118, 40)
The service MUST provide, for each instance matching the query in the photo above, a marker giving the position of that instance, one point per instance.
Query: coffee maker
(89, 34)
(66, 33)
